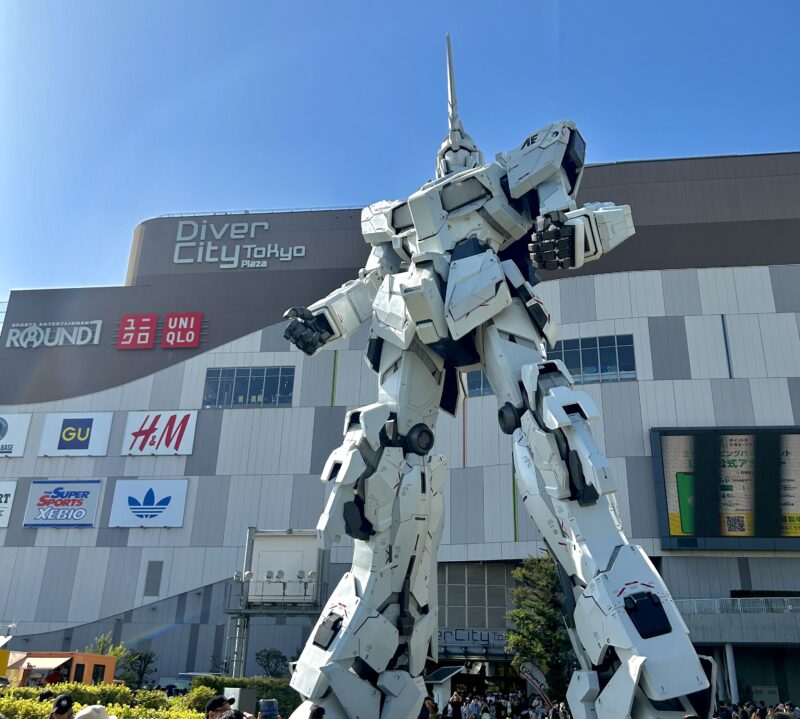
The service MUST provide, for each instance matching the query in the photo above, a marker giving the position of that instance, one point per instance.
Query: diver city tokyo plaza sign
(13, 434)
(30, 335)
(229, 245)
(159, 432)
(148, 503)
(63, 503)
(75, 434)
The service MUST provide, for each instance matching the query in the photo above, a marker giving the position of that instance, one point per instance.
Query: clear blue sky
(112, 112)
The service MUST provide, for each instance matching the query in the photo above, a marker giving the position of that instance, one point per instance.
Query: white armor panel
(476, 291)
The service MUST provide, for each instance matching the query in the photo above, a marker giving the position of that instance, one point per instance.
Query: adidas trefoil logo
(148, 508)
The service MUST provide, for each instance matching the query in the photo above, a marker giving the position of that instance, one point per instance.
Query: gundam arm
(344, 310)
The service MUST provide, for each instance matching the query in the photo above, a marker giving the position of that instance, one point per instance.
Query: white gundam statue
(448, 287)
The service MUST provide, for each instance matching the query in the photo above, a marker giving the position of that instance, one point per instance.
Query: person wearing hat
(62, 707)
(217, 706)
(95, 711)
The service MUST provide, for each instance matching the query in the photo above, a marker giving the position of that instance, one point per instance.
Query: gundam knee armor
(367, 652)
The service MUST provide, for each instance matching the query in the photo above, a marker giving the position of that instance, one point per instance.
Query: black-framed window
(478, 384)
(609, 358)
(243, 387)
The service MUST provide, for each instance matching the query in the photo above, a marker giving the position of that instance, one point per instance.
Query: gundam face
(447, 288)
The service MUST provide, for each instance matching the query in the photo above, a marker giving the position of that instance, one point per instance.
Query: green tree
(104, 644)
(137, 667)
(273, 662)
(539, 634)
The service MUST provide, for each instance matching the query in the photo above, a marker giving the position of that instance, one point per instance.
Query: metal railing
(3, 308)
(745, 605)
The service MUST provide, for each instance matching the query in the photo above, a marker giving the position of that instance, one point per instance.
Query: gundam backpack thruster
(448, 287)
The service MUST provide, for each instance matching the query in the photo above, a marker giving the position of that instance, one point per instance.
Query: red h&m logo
(181, 330)
(153, 434)
(137, 332)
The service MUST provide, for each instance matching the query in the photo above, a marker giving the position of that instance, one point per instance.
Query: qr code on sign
(735, 523)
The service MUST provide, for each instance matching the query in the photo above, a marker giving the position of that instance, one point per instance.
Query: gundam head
(458, 151)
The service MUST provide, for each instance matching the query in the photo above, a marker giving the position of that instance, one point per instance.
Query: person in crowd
(62, 707)
(218, 705)
(432, 707)
(474, 708)
(455, 704)
(485, 714)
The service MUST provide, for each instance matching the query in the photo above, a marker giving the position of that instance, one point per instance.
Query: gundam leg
(366, 654)
(632, 644)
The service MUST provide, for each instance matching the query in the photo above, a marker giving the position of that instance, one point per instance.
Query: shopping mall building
(145, 428)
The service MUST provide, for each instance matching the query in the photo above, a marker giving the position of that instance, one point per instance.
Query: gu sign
(30, 335)
(229, 245)
(75, 434)
(159, 432)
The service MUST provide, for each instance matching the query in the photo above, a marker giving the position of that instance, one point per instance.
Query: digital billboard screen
(728, 487)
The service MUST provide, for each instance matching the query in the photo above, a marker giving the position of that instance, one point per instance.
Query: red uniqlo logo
(137, 332)
(181, 329)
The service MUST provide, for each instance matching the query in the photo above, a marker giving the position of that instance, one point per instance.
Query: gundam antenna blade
(454, 122)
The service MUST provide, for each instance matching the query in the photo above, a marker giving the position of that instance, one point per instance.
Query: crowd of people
(760, 710)
(469, 706)
(494, 706)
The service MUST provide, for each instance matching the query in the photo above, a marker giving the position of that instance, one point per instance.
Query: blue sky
(112, 112)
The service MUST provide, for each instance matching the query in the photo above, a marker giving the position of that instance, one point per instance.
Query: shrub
(268, 688)
(195, 700)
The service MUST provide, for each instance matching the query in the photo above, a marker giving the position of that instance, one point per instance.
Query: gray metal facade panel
(328, 425)
(110, 536)
(794, 395)
(308, 501)
(681, 292)
(578, 300)
(203, 460)
(622, 417)
(113, 465)
(317, 382)
(119, 591)
(669, 348)
(786, 287)
(16, 534)
(166, 393)
(59, 575)
(211, 506)
(642, 496)
(272, 338)
(466, 500)
(733, 403)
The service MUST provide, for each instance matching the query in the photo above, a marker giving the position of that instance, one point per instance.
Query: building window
(152, 580)
(240, 387)
(597, 359)
(474, 595)
(478, 384)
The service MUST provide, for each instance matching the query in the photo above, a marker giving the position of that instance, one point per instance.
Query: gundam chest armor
(448, 286)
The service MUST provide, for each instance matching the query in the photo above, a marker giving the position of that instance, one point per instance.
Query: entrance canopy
(40, 663)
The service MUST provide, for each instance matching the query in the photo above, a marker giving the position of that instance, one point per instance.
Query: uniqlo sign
(137, 332)
(181, 330)
(159, 432)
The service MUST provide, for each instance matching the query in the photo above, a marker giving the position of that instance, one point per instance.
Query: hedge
(120, 701)
(268, 688)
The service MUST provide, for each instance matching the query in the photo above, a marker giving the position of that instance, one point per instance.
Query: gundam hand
(307, 331)
(553, 248)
